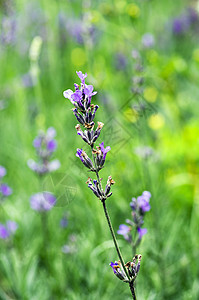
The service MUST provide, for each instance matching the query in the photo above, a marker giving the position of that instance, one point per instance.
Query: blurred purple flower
(8, 229)
(51, 145)
(8, 32)
(179, 26)
(141, 203)
(2, 172)
(64, 222)
(42, 201)
(141, 232)
(5, 190)
(4, 234)
(148, 40)
(45, 145)
(125, 230)
(183, 23)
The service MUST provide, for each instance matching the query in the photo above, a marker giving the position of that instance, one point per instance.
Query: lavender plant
(133, 232)
(45, 146)
(84, 112)
(44, 201)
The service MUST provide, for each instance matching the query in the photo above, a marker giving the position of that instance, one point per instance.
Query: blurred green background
(152, 128)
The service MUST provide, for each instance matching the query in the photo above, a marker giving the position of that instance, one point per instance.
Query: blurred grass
(169, 125)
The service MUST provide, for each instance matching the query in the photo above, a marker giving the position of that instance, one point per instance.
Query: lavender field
(99, 155)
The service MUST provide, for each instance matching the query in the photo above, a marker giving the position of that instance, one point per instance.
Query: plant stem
(131, 285)
(114, 238)
(109, 221)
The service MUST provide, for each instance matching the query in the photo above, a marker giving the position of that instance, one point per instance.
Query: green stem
(131, 285)
(109, 221)
(114, 238)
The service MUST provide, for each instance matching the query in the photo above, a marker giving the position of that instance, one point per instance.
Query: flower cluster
(43, 201)
(8, 229)
(139, 207)
(5, 190)
(133, 268)
(45, 146)
(84, 112)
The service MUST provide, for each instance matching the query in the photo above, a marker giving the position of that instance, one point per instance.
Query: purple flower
(88, 91)
(113, 265)
(104, 150)
(142, 202)
(51, 145)
(51, 133)
(42, 201)
(2, 172)
(148, 40)
(8, 229)
(64, 222)
(81, 76)
(141, 232)
(79, 154)
(4, 234)
(5, 190)
(67, 94)
(192, 15)
(37, 142)
(45, 145)
(118, 270)
(125, 230)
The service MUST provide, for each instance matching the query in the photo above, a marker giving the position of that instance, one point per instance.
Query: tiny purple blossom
(5, 190)
(104, 150)
(148, 40)
(88, 91)
(77, 96)
(51, 133)
(114, 265)
(81, 76)
(64, 222)
(37, 142)
(141, 232)
(51, 145)
(79, 154)
(143, 204)
(67, 94)
(2, 171)
(4, 234)
(123, 229)
(42, 201)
